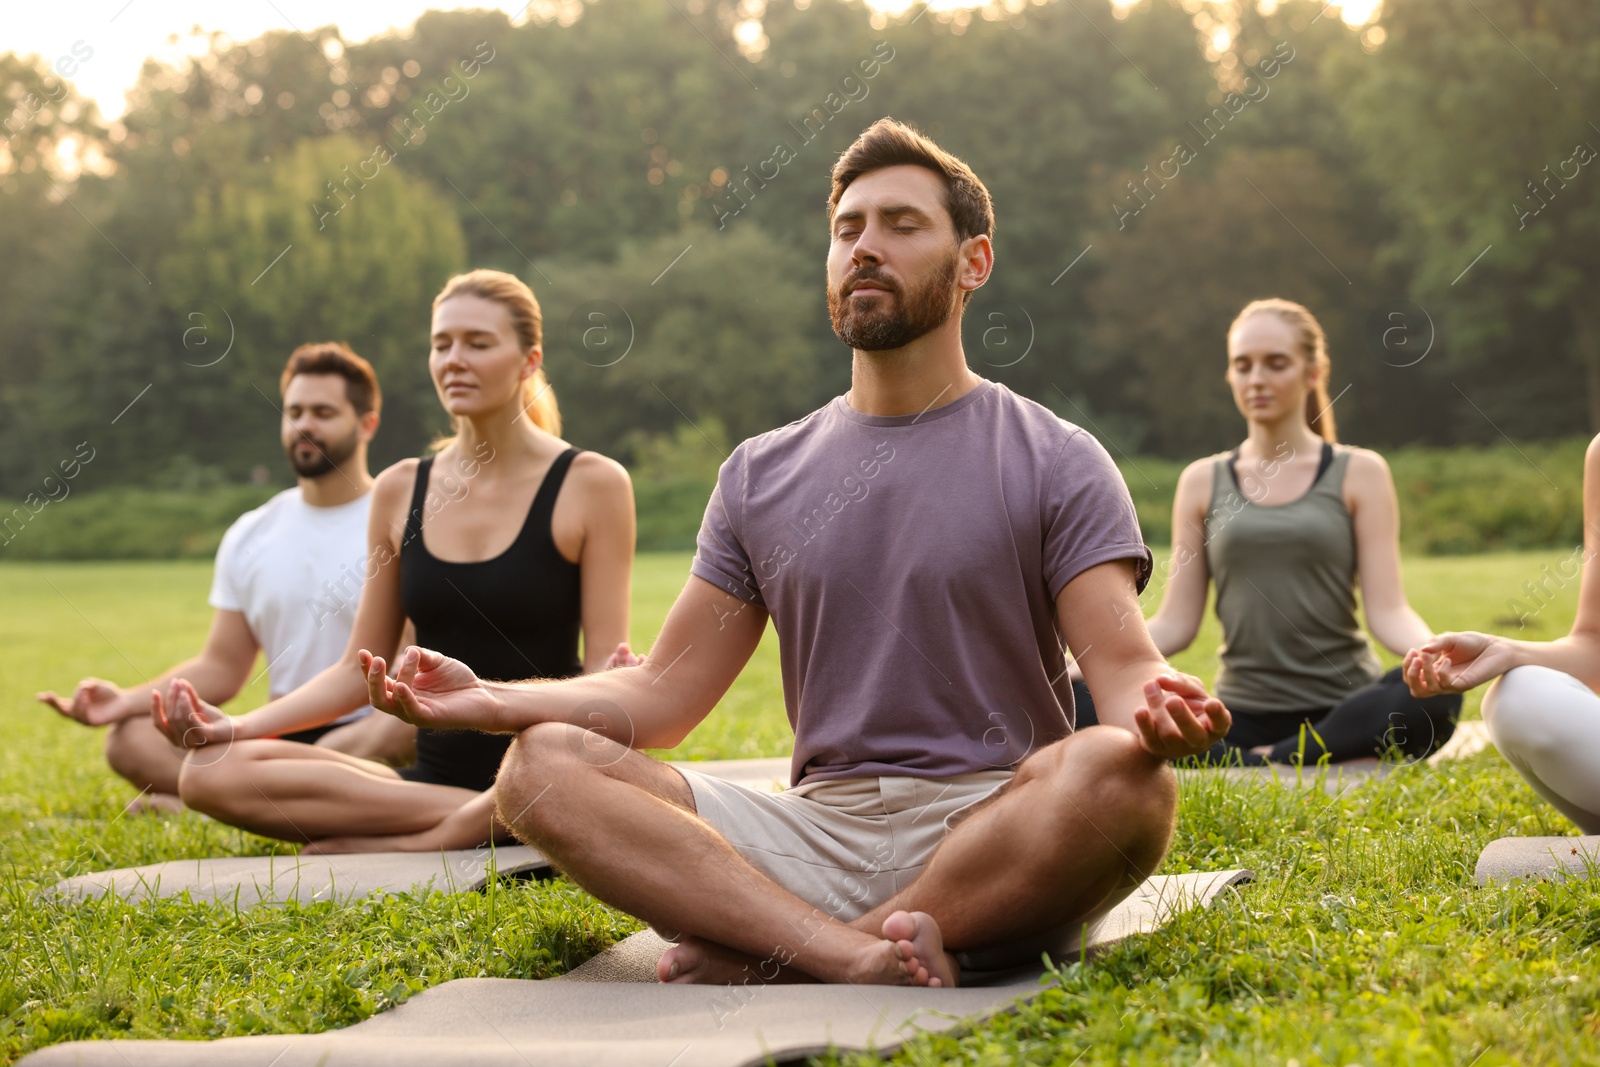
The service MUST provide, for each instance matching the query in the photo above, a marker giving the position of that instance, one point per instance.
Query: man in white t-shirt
(287, 579)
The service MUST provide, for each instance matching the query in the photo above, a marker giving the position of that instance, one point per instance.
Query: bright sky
(101, 44)
(122, 33)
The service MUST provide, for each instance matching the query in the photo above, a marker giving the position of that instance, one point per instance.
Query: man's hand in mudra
(432, 691)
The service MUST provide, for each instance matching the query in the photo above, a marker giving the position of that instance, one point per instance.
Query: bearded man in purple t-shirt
(923, 545)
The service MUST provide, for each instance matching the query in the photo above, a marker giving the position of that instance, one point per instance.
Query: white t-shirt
(294, 571)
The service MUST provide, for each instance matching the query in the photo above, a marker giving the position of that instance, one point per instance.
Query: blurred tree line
(658, 173)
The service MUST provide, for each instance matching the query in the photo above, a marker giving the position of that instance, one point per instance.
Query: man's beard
(326, 458)
(906, 316)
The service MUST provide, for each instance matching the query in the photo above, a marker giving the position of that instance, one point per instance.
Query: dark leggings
(1367, 723)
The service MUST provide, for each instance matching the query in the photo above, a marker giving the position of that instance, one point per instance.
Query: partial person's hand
(1456, 662)
(431, 690)
(623, 657)
(94, 703)
(188, 721)
(1179, 717)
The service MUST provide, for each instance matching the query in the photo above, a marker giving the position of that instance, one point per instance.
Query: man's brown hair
(887, 143)
(336, 357)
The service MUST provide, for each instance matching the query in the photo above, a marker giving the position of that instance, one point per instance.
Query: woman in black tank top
(481, 614)
(501, 548)
(1287, 527)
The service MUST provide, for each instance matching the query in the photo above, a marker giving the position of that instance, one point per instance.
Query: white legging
(1547, 725)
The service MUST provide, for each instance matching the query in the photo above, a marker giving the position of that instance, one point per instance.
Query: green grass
(1364, 939)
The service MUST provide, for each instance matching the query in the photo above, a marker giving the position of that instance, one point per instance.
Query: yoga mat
(601, 1015)
(266, 879)
(1538, 857)
(251, 880)
(274, 879)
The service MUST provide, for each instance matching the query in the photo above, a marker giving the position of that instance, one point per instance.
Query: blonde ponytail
(539, 401)
(1319, 413)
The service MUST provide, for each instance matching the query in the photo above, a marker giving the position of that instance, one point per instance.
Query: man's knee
(544, 751)
(1106, 753)
(538, 769)
(1103, 773)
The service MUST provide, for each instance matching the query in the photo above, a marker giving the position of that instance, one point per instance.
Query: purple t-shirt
(910, 564)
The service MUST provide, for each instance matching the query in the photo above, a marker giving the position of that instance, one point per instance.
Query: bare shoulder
(603, 487)
(391, 489)
(1591, 457)
(600, 474)
(1367, 480)
(1367, 467)
(1193, 496)
(396, 479)
(1591, 489)
(1197, 478)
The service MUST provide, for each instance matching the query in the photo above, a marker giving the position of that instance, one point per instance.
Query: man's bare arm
(708, 637)
(1132, 685)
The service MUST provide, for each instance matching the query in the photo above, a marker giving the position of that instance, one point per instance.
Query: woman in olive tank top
(1288, 525)
(503, 546)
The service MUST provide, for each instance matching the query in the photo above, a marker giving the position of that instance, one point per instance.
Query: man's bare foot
(155, 804)
(920, 947)
(910, 952)
(696, 961)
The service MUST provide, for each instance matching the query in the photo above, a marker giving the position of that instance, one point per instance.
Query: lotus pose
(271, 586)
(923, 545)
(1542, 711)
(1287, 525)
(499, 548)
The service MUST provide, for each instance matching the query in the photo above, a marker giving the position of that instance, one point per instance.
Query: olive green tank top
(1286, 594)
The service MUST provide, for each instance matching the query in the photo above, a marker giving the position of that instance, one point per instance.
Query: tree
(115, 360)
(1478, 119)
(48, 134)
(261, 264)
(572, 139)
(1041, 101)
(680, 330)
(1205, 247)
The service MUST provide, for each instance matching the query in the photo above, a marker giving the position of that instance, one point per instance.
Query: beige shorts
(848, 844)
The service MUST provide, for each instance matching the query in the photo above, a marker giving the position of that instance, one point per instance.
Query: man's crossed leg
(1079, 826)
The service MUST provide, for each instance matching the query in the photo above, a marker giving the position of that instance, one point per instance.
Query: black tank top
(511, 617)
